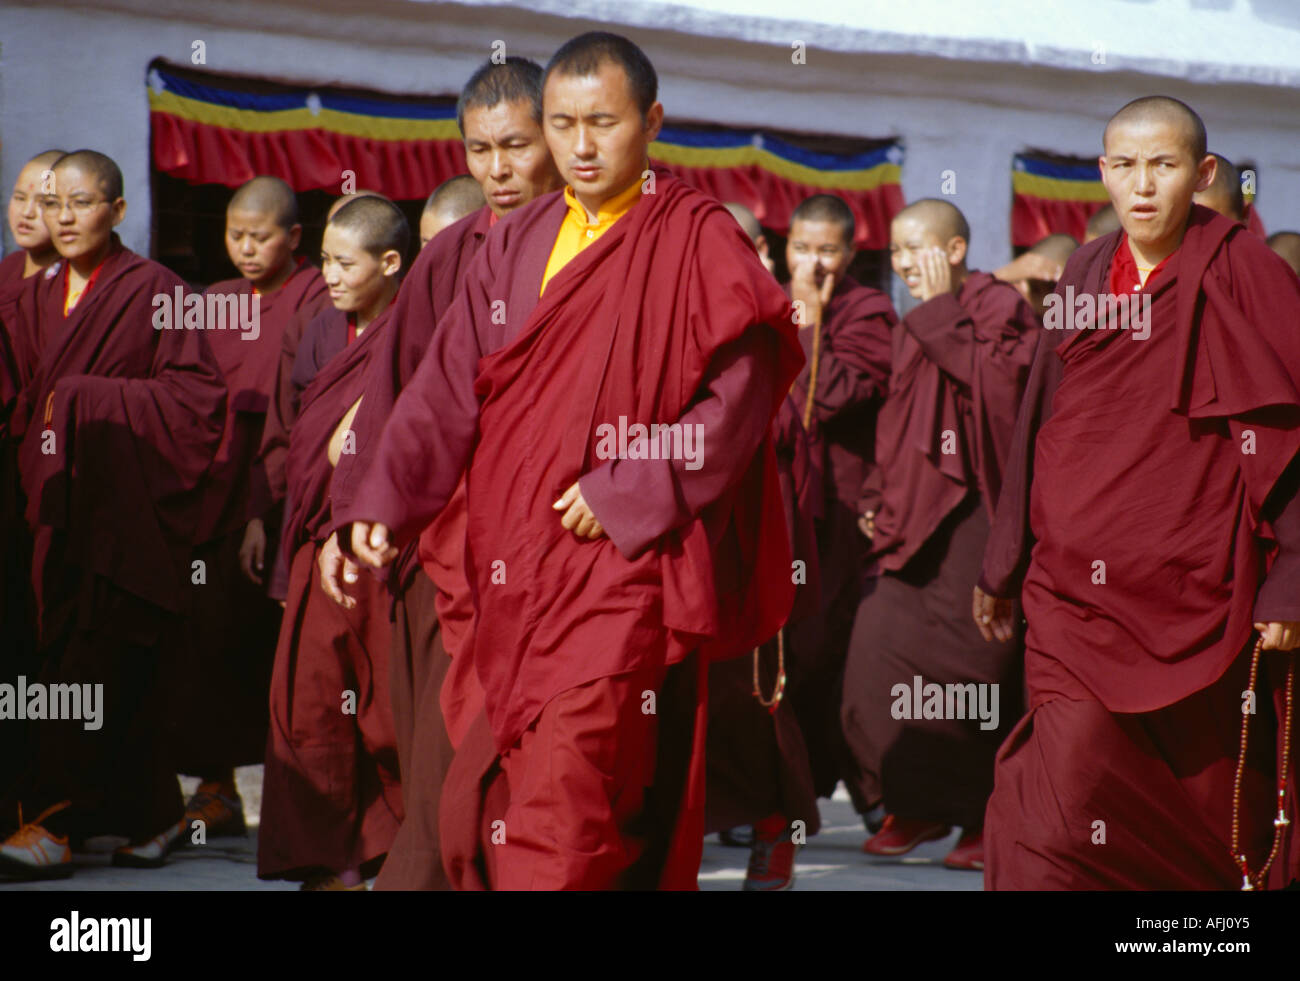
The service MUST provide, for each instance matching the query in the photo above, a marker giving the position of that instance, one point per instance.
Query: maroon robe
(423, 590)
(220, 692)
(757, 758)
(331, 796)
(135, 414)
(1148, 665)
(852, 379)
(960, 366)
(677, 573)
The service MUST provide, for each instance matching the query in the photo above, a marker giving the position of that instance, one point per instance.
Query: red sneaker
(968, 855)
(898, 836)
(771, 857)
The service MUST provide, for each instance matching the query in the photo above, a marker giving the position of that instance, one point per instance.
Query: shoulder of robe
(1252, 261)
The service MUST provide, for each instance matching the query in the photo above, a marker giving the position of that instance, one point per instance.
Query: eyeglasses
(80, 205)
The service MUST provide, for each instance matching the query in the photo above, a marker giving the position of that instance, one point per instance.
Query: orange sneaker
(32, 852)
(898, 836)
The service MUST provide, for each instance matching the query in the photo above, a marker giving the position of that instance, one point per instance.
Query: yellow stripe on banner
(749, 156)
(1054, 189)
(331, 120)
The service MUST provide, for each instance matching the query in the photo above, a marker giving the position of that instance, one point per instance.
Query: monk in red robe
(609, 561)
(220, 679)
(36, 252)
(331, 800)
(844, 329)
(1149, 524)
(500, 113)
(961, 359)
(119, 417)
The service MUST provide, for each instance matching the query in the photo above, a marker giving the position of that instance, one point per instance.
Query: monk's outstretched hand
(335, 570)
(993, 616)
(577, 516)
(371, 544)
(1280, 636)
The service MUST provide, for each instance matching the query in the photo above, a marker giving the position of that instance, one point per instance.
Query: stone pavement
(832, 860)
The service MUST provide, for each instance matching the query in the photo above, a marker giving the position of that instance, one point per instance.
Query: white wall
(74, 77)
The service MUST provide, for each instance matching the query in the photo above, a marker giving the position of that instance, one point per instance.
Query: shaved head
(451, 201)
(1161, 110)
(378, 224)
(1104, 221)
(746, 218)
(106, 173)
(1224, 195)
(941, 218)
(1287, 245)
(267, 196)
(1056, 247)
(827, 207)
(363, 193)
(457, 197)
(46, 159)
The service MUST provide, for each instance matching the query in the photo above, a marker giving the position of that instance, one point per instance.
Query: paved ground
(831, 860)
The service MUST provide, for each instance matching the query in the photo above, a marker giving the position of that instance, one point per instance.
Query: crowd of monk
(1039, 585)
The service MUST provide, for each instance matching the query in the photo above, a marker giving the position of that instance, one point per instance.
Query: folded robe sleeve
(638, 500)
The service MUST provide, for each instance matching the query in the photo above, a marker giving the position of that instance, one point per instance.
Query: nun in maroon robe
(219, 683)
(431, 598)
(1136, 667)
(695, 562)
(756, 755)
(961, 361)
(119, 421)
(331, 797)
(852, 379)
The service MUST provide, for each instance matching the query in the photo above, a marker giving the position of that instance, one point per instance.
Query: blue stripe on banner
(731, 139)
(1061, 172)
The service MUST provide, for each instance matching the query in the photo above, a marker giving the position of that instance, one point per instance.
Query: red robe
(331, 796)
(678, 570)
(960, 366)
(133, 415)
(431, 608)
(220, 693)
(1159, 427)
(852, 379)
